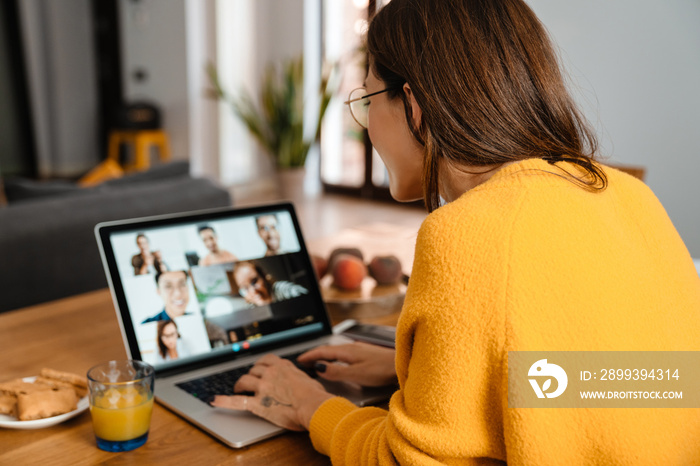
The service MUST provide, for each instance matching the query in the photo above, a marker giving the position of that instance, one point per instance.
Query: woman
(538, 248)
(147, 261)
(258, 288)
(170, 345)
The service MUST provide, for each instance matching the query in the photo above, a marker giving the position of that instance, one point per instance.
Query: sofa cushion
(24, 189)
(157, 173)
(48, 246)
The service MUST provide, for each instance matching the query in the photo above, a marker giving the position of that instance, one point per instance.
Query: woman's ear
(416, 112)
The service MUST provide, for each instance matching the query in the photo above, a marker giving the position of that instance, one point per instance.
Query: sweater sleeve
(449, 363)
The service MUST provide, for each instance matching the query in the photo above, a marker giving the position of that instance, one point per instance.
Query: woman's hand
(361, 363)
(255, 299)
(284, 395)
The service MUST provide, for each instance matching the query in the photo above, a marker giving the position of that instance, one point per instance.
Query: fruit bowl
(369, 301)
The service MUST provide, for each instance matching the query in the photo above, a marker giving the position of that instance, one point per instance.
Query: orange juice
(121, 413)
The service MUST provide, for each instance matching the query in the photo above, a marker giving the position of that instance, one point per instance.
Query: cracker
(8, 404)
(17, 386)
(43, 404)
(80, 391)
(74, 379)
(51, 394)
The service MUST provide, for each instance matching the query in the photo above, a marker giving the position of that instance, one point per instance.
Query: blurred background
(68, 67)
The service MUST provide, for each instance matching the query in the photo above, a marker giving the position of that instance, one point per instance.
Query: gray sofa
(47, 245)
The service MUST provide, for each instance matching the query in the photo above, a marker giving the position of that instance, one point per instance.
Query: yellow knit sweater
(529, 261)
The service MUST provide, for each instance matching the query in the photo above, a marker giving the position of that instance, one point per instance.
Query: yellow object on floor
(141, 141)
(107, 170)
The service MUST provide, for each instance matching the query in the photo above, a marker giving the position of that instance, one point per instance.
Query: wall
(204, 149)
(62, 84)
(172, 41)
(251, 35)
(635, 68)
(154, 46)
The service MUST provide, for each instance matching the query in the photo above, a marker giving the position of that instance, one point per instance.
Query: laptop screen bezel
(105, 230)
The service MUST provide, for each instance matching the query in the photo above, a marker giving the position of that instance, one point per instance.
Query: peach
(386, 270)
(320, 265)
(337, 251)
(348, 272)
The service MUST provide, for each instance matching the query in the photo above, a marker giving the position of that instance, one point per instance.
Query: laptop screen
(211, 285)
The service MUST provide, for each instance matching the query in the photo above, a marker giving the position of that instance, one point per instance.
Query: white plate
(10, 422)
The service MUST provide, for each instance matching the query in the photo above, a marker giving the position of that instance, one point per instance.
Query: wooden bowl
(370, 300)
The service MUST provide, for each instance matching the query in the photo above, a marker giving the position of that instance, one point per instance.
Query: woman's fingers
(257, 371)
(362, 363)
(247, 383)
(242, 403)
(283, 394)
(368, 374)
(329, 353)
(237, 402)
(336, 372)
(269, 360)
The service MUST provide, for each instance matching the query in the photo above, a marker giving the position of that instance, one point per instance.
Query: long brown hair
(267, 279)
(487, 80)
(161, 328)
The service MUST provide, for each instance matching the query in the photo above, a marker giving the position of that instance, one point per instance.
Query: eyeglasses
(359, 104)
(255, 283)
(170, 287)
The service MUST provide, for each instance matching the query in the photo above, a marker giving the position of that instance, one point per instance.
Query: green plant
(204, 295)
(276, 121)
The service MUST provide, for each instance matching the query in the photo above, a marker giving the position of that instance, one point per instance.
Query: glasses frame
(366, 96)
(254, 283)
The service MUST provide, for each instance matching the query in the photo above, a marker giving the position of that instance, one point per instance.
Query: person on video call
(170, 344)
(173, 290)
(267, 229)
(211, 241)
(258, 288)
(146, 261)
(530, 244)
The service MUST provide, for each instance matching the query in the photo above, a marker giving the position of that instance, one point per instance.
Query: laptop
(205, 293)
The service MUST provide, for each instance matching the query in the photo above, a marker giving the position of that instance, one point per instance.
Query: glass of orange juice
(121, 403)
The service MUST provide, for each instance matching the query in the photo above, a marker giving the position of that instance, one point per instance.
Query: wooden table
(76, 333)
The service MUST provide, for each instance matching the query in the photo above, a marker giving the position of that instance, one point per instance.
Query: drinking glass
(121, 403)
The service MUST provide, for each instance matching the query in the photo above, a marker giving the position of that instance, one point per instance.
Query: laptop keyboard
(205, 388)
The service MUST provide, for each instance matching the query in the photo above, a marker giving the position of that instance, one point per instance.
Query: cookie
(74, 379)
(80, 391)
(17, 386)
(8, 404)
(48, 403)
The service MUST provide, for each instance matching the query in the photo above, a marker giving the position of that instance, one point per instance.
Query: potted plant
(276, 118)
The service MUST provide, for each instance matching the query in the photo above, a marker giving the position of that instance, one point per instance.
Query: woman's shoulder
(475, 213)
(468, 230)
(524, 197)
